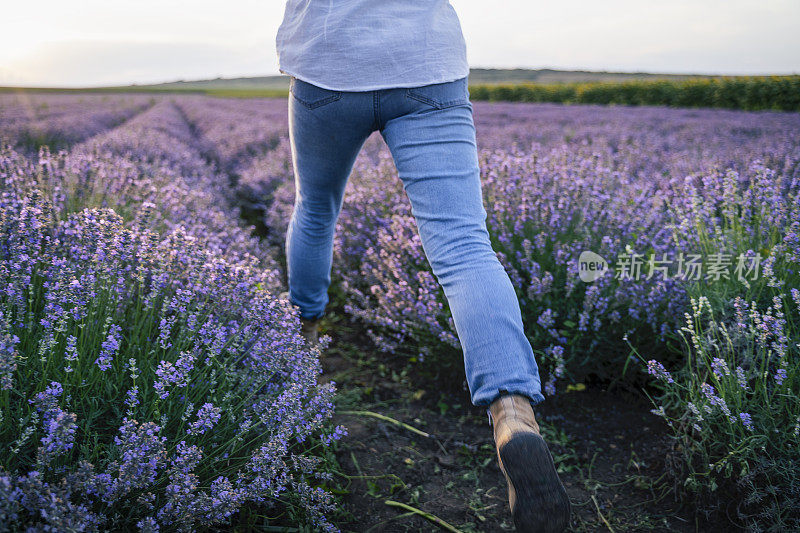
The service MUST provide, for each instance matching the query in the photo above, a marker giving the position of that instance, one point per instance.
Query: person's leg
(326, 130)
(431, 135)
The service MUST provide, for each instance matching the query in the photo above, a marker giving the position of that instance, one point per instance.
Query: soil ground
(608, 447)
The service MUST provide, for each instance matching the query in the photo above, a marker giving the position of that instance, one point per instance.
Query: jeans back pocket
(310, 95)
(441, 95)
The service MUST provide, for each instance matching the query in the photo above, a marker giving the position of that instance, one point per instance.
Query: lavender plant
(149, 378)
(146, 382)
(30, 120)
(734, 403)
(734, 409)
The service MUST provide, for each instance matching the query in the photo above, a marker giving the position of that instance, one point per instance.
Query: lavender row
(31, 120)
(149, 377)
(233, 131)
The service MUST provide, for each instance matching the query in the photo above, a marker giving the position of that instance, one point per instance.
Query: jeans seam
(376, 110)
(430, 101)
(335, 95)
(318, 103)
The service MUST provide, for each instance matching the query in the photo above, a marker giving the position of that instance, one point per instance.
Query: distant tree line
(780, 93)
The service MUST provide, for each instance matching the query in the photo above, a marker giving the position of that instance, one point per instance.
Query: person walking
(399, 67)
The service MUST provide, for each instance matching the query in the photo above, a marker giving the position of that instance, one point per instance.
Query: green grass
(780, 93)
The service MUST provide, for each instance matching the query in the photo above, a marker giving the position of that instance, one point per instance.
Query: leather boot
(539, 502)
(309, 329)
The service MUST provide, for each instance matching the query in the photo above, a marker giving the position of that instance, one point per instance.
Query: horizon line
(279, 75)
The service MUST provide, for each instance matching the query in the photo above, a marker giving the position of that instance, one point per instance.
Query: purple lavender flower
(550, 386)
(173, 374)
(654, 368)
(207, 417)
(713, 399)
(132, 398)
(547, 319)
(109, 348)
(720, 367)
(709, 392)
(695, 411)
(70, 353)
(741, 378)
(142, 454)
(8, 355)
(148, 525)
(47, 400)
(165, 327)
(747, 420)
(337, 433)
(60, 428)
(557, 352)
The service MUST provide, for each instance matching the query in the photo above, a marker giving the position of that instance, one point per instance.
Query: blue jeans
(431, 135)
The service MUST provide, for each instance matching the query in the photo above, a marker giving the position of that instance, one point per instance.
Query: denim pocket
(441, 95)
(310, 95)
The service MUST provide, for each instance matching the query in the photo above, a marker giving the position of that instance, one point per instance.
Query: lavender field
(152, 378)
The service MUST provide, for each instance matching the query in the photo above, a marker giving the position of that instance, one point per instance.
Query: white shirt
(365, 45)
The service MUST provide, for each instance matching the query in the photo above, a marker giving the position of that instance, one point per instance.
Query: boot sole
(542, 504)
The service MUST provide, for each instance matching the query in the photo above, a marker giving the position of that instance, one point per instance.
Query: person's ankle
(309, 329)
(512, 414)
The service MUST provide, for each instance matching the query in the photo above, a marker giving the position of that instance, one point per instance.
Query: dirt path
(608, 447)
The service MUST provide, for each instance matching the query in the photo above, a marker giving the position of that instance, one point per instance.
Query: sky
(113, 42)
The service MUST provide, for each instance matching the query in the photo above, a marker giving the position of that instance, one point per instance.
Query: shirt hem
(374, 87)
